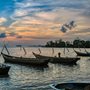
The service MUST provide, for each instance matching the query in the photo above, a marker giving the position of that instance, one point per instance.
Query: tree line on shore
(77, 43)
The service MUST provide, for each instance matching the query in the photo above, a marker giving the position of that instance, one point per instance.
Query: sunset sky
(34, 22)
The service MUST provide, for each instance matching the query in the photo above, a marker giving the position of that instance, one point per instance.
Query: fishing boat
(82, 53)
(23, 60)
(71, 86)
(4, 69)
(64, 60)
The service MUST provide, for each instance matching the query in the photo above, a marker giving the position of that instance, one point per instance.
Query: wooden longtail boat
(71, 86)
(4, 69)
(82, 53)
(23, 60)
(64, 60)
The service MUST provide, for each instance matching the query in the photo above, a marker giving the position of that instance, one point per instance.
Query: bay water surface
(22, 77)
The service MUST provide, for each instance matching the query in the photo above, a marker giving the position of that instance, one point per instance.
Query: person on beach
(59, 54)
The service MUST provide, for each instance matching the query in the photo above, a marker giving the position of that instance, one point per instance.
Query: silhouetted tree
(77, 43)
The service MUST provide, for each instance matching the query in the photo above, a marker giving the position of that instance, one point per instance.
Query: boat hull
(4, 71)
(82, 54)
(26, 61)
(71, 86)
(64, 60)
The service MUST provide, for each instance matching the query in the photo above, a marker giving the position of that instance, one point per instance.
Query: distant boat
(4, 69)
(71, 86)
(18, 45)
(23, 60)
(64, 60)
(82, 53)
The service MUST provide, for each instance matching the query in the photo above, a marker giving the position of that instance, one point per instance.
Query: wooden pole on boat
(39, 50)
(64, 49)
(5, 47)
(20, 47)
(67, 47)
(7, 50)
(52, 51)
(2, 49)
(79, 47)
(24, 50)
(84, 48)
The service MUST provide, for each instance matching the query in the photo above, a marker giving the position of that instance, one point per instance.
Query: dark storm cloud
(3, 35)
(68, 26)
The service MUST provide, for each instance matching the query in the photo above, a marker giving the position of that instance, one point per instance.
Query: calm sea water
(37, 78)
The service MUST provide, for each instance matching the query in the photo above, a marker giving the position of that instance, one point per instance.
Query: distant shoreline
(77, 43)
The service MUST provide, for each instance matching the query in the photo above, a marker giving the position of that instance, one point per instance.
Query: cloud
(2, 20)
(18, 36)
(42, 19)
(67, 27)
(2, 28)
(12, 34)
(3, 35)
(20, 12)
(47, 24)
(81, 33)
(43, 26)
(87, 30)
(41, 37)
